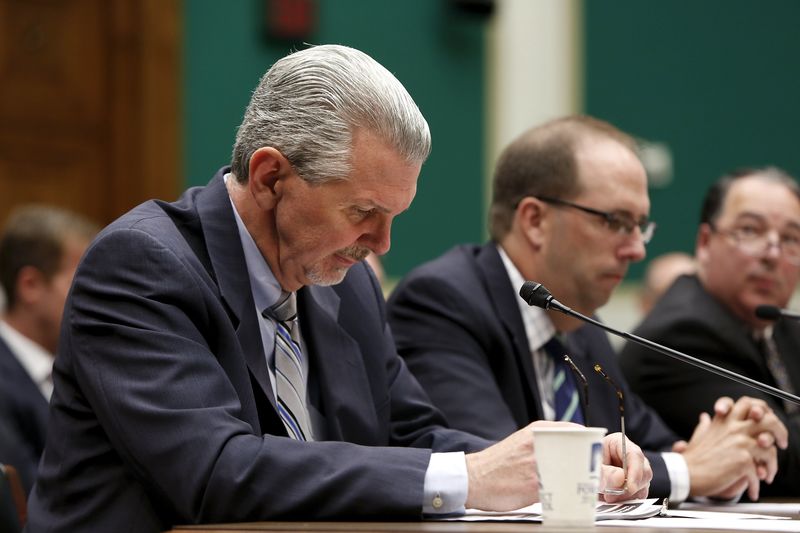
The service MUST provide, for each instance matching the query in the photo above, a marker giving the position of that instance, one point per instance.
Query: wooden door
(89, 104)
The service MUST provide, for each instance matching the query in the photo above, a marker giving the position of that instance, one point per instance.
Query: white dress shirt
(36, 361)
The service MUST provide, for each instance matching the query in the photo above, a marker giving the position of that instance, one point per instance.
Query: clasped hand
(735, 450)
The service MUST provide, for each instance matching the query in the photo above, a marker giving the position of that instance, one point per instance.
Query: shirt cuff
(679, 480)
(446, 484)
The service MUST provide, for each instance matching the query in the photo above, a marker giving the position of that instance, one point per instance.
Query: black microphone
(536, 294)
(770, 312)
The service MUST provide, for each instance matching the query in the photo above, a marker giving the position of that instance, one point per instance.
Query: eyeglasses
(616, 492)
(619, 222)
(585, 384)
(755, 240)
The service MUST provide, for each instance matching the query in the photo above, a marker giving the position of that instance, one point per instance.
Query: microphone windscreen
(535, 294)
(768, 312)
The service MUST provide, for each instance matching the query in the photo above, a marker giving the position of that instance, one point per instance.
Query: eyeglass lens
(757, 243)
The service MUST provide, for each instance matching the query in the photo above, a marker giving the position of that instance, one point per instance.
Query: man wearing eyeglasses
(569, 210)
(748, 254)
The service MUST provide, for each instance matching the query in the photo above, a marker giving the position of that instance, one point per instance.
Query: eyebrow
(750, 214)
(369, 204)
(625, 212)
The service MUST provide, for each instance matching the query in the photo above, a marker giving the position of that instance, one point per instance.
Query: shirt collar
(538, 327)
(36, 361)
(266, 289)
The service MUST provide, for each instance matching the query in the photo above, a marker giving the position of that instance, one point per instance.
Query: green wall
(435, 50)
(716, 80)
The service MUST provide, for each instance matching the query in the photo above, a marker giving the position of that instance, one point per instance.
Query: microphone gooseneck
(537, 295)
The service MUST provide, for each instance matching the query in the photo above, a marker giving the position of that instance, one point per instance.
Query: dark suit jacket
(458, 326)
(24, 410)
(690, 320)
(163, 411)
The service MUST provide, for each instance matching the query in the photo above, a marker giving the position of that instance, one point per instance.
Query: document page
(631, 509)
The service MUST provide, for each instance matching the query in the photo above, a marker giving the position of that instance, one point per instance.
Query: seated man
(226, 357)
(570, 210)
(748, 254)
(39, 251)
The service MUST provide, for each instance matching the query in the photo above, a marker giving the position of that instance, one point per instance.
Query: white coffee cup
(568, 461)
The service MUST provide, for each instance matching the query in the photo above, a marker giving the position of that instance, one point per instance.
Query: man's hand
(503, 477)
(735, 450)
(639, 475)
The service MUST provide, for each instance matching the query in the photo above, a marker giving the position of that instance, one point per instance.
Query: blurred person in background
(39, 251)
(375, 263)
(661, 272)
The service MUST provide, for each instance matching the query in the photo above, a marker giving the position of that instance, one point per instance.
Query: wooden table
(435, 526)
(412, 527)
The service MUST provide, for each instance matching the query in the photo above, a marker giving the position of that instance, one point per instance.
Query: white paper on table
(785, 509)
(630, 509)
(727, 515)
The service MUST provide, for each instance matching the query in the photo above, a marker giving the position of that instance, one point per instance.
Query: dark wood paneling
(89, 103)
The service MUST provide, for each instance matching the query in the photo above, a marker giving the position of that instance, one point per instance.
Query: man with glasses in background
(570, 210)
(748, 255)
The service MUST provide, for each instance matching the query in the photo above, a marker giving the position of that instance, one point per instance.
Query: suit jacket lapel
(337, 359)
(227, 259)
(504, 301)
(728, 328)
(786, 335)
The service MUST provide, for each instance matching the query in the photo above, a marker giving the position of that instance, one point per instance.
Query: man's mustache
(356, 253)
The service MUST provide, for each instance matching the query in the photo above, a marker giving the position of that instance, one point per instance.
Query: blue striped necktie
(567, 399)
(290, 381)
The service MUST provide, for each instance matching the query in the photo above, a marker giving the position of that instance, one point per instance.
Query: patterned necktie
(567, 399)
(777, 368)
(290, 379)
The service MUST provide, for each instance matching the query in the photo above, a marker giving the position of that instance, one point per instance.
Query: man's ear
(30, 285)
(268, 167)
(530, 217)
(701, 244)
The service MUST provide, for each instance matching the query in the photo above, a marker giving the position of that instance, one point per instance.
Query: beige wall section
(534, 67)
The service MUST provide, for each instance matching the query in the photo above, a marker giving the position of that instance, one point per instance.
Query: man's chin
(328, 277)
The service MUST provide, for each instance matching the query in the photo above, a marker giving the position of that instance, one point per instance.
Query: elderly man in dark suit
(748, 254)
(39, 251)
(570, 210)
(226, 357)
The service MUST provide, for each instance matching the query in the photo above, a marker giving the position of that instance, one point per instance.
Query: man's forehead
(390, 197)
(759, 197)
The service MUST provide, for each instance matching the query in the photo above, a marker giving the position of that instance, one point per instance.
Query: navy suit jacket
(163, 411)
(689, 319)
(24, 411)
(457, 324)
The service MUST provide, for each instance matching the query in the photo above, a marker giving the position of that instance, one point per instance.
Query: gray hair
(310, 102)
